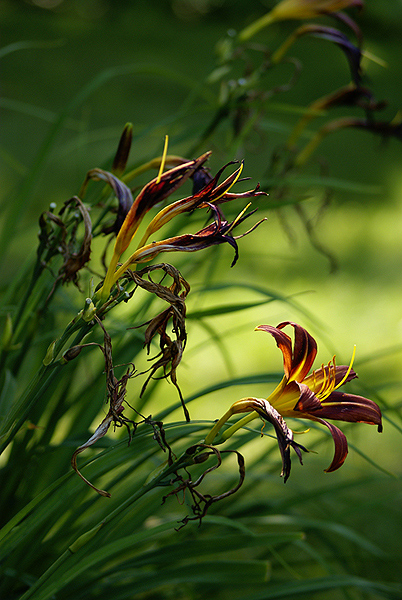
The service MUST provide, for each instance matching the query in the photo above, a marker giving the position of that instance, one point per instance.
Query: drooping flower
(209, 196)
(349, 95)
(297, 9)
(217, 232)
(383, 128)
(352, 52)
(303, 396)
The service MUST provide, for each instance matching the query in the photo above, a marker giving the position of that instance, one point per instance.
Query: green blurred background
(169, 47)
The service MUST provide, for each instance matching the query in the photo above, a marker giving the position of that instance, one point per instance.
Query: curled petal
(211, 192)
(304, 351)
(284, 435)
(341, 446)
(352, 53)
(310, 407)
(249, 194)
(122, 193)
(284, 343)
(297, 362)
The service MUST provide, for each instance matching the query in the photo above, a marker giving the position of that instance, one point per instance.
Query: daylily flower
(297, 9)
(154, 192)
(217, 232)
(209, 196)
(302, 396)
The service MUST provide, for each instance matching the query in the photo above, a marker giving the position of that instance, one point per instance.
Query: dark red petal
(339, 407)
(284, 343)
(161, 187)
(351, 408)
(341, 446)
(304, 351)
(308, 402)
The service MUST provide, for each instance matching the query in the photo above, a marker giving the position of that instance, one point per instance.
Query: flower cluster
(209, 196)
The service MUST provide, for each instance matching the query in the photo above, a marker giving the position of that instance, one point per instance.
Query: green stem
(256, 26)
(217, 427)
(242, 423)
(38, 386)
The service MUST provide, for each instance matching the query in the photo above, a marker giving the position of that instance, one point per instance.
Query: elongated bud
(123, 150)
(84, 538)
(49, 354)
(7, 333)
(156, 472)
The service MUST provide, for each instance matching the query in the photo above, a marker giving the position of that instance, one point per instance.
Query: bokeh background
(343, 285)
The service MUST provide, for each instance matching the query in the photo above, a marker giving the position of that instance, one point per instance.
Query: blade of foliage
(292, 589)
(322, 525)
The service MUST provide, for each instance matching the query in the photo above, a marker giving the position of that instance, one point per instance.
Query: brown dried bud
(71, 353)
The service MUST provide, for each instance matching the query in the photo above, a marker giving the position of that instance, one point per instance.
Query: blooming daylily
(299, 395)
(297, 9)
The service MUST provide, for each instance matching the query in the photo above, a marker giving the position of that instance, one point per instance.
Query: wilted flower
(349, 95)
(383, 128)
(159, 188)
(352, 52)
(299, 395)
(217, 232)
(297, 9)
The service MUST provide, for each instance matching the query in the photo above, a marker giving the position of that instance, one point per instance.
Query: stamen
(331, 387)
(349, 369)
(237, 219)
(324, 383)
(238, 173)
(333, 369)
(163, 159)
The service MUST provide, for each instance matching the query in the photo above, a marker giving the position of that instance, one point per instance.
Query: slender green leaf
(307, 587)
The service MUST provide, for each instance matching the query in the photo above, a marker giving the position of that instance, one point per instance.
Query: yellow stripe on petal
(282, 399)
